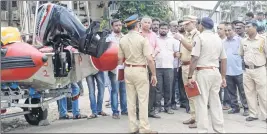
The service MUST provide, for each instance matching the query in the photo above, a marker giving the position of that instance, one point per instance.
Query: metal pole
(215, 8)
(78, 8)
(9, 12)
(35, 21)
(87, 12)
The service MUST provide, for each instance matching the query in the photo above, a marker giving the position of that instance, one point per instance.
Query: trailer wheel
(37, 114)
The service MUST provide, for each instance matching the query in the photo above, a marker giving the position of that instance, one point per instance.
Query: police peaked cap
(132, 20)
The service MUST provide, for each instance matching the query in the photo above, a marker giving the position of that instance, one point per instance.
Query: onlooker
(62, 104)
(249, 16)
(164, 64)
(234, 73)
(96, 103)
(117, 87)
(261, 21)
(221, 30)
(173, 28)
(176, 66)
(155, 25)
(154, 93)
(225, 100)
(240, 29)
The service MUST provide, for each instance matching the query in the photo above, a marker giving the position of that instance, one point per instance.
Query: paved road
(168, 124)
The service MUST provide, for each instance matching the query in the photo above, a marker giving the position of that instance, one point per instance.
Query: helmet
(10, 35)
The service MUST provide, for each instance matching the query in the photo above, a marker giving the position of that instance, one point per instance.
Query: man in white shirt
(117, 87)
(164, 64)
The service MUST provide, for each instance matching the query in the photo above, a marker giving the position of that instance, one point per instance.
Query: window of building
(4, 5)
(14, 3)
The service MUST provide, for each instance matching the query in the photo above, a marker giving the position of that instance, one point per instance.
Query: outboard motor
(59, 27)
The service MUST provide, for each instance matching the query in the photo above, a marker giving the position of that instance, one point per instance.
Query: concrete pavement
(167, 124)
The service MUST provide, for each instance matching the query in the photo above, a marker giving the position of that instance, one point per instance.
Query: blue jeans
(62, 103)
(96, 105)
(117, 86)
(123, 97)
(107, 83)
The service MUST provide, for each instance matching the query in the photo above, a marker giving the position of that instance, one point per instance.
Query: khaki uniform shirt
(254, 51)
(134, 48)
(186, 55)
(209, 48)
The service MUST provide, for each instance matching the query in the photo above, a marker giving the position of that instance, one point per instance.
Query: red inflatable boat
(109, 60)
(19, 61)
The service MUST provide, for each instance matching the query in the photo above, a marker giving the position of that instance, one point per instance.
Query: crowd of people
(161, 58)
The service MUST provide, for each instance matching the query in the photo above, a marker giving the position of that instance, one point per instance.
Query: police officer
(189, 23)
(206, 53)
(136, 51)
(254, 51)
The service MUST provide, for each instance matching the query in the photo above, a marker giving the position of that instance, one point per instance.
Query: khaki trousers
(137, 87)
(255, 84)
(209, 81)
(185, 72)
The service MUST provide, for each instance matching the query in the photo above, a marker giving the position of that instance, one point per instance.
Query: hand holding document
(192, 90)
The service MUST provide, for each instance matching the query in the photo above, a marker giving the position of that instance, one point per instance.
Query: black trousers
(164, 85)
(175, 87)
(235, 83)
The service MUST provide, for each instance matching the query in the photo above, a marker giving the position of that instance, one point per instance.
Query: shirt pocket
(169, 47)
(257, 48)
(245, 47)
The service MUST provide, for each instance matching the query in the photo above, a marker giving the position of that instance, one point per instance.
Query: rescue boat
(19, 61)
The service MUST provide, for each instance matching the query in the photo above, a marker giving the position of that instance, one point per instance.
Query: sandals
(66, 117)
(79, 116)
(103, 113)
(92, 116)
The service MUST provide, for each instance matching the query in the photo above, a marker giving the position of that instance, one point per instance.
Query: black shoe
(124, 113)
(154, 116)
(251, 119)
(233, 111)
(182, 106)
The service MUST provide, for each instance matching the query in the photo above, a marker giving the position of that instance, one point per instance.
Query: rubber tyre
(37, 114)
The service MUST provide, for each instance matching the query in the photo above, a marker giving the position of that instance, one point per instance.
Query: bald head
(146, 23)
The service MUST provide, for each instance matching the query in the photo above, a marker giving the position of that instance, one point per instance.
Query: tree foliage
(154, 9)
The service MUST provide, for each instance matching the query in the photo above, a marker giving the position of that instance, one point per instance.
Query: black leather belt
(252, 66)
